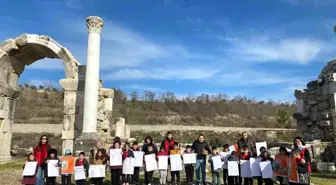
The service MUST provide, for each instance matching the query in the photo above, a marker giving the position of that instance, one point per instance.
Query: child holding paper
(261, 150)
(225, 168)
(51, 156)
(116, 171)
(216, 180)
(246, 155)
(135, 176)
(29, 180)
(163, 173)
(66, 178)
(98, 160)
(283, 151)
(266, 157)
(233, 180)
(81, 161)
(302, 168)
(126, 178)
(149, 175)
(176, 174)
(189, 168)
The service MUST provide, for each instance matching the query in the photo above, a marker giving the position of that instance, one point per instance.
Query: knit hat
(67, 152)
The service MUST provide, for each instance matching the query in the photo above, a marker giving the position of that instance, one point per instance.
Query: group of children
(118, 178)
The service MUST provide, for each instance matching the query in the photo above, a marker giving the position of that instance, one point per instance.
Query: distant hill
(45, 105)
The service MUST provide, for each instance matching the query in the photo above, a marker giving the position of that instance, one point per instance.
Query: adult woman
(169, 142)
(149, 142)
(41, 151)
(305, 156)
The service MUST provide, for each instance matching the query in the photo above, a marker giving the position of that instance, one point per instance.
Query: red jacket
(164, 153)
(168, 144)
(41, 153)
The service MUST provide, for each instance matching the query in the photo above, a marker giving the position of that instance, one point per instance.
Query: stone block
(314, 116)
(333, 112)
(70, 98)
(325, 115)
(108, 104)
(127, 132)
(325, 123)
(101, 116)
(8, 91)
(107, 93)
(12, 79)
(3, 75)
(69, 84)
(312, 102)
(2, 102)
(323, 106)
(70, 134)
(120, 128)
(5, 125)
(69, 110)
(68, 122)
(301, 126)
(332, 87)
(16, 65)
(9, 104)
(68, 144)
(322, 166)
(299, 94)
(4, 114)
(325, 89)
(331, 167)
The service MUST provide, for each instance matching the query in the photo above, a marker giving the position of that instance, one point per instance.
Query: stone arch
(22, 51)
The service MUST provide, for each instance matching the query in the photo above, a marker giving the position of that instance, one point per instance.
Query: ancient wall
(316, 113)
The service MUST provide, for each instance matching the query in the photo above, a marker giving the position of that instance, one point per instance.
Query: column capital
(94, 24)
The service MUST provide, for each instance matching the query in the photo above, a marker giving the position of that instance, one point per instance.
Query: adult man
(201, 148)
(245, 141)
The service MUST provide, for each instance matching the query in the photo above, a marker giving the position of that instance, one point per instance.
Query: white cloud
(142, 88)
(272, 49)
(161, 74)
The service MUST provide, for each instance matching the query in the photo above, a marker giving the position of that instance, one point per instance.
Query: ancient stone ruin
(316, 113)
(89, 119)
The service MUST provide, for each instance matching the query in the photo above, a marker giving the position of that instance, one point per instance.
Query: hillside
(46, 106)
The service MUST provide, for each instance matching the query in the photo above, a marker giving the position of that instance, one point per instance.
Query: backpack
(302, 156)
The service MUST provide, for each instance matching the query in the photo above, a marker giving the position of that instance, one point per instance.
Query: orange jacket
(172, 152)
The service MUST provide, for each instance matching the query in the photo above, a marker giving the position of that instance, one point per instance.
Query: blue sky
(262, 49)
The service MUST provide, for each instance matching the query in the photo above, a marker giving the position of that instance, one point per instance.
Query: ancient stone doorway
(24, 50)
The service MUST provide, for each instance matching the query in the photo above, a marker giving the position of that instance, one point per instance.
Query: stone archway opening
(23, 51)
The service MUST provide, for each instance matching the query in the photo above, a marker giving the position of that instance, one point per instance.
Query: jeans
(39, 176)
(200, 165)
(216, 179)
(163, 176)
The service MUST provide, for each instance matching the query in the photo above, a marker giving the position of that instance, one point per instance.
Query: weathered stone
(312, 102)
(108, 104)
(3, 75)
(70, 98)
(8, 45)
(300, 116)
(332, 87)
(301, 126)
(324, 115)
(331, 167)
(71, 110)
(322, 166)
(70, 135)
(8, 91)
(12, 79)
(333, 112)
(308, 123)
(68, 122)
(120, 128)
(312, 85)
(127, 132)
(325, 123)
(16, 65)
(4, 114)
(101, 116)
(314, 116)
(69, 84)
(107, 93)
(5, 125)
(323, 106)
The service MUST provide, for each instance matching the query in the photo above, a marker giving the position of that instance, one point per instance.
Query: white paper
(225, 156)
(53, 170)
(189, 158)
(255, 167)
(266, 169)
(128, 166)
(175, 162)
(259, 145)
(79, 173)
(96, 171)
(233, 168)
(138, 158)
(232, 148)
(217, 162)
(115, 157)
(245, 168)
(30, 169)
(163, 162)
(150, 162)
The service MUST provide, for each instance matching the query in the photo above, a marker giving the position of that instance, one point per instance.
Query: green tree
(282, 116)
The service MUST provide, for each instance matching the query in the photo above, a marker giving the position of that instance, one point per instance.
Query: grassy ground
(10, 174)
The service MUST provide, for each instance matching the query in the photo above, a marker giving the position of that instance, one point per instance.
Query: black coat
(248, 142)
(197, 147)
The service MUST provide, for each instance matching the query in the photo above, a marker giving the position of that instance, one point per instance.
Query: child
(163, 173)
(225, 167)
(66, 178)
(176, 174)
(99, 160)
(149, 175)
(128, 153)
(189, 168)
(266, 157)
(135, 176)
(302, 168)
(283, 151)
(51, 156)
(216, 180)
(261, 150)
(246, 155)
(29, 180)
(81, 161)
(116, 171)
(233, 180)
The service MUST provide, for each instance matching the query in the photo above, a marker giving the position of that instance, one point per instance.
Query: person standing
(303, 160)
(201, 148)
(149, 142)
(245, 141)
(41, 151)
(168, 143)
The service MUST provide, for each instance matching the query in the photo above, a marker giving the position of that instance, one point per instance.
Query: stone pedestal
(89, 135)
